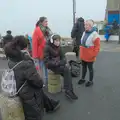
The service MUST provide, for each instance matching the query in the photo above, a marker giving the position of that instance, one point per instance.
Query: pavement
(99, 102)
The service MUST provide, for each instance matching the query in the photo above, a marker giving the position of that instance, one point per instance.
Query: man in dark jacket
(76, 34)
(32, 96)
(55, 61)
(7, 38)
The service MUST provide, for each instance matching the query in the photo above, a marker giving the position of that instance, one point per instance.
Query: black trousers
(65, 72)
(88, 65)
(76, 50)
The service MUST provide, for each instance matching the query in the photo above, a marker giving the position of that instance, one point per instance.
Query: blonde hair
(91, 22)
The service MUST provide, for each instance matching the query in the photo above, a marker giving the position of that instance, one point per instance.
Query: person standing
(76, 34)
(89, 49)
(39, 40)
(8, 37)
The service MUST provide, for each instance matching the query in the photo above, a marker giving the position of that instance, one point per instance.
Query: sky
(20, 16)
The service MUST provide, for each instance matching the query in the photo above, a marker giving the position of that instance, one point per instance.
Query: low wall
(112, 38)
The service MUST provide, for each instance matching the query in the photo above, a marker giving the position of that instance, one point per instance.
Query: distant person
(76, 34)
(108, 33)
(115, 24)
(33, 99)
(29, 42)
(8, 37)
(89, 49)
(55, 61)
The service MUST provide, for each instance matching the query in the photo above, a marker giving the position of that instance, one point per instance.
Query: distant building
(113, 11)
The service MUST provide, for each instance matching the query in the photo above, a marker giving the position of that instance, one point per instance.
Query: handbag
(75, 68)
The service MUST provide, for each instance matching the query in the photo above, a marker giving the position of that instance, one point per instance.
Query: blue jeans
(44, 71)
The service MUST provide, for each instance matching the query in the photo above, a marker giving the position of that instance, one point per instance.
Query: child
(55, 61)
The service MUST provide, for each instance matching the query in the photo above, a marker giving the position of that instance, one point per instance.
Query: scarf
(85, 37)
(46, 30)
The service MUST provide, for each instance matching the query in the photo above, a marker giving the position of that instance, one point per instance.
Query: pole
(74, 11)
(119, 25)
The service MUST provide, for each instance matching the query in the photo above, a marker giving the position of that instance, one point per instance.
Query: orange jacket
(38, 44)
(92, 48)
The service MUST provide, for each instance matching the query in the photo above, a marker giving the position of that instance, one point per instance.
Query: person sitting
(55, 61)
(33, 99)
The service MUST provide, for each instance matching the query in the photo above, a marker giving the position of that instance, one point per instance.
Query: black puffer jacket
(31, 94)
(54, 56)
(77, 30)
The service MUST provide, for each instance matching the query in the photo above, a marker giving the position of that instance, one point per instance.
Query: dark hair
(8, 31)
(20, 41)
(55, 37)
(13, 49)
(41, 19)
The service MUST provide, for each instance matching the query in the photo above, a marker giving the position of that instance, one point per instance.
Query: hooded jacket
(53, 56)
(78, 30)
(31, 93)
(90, 46)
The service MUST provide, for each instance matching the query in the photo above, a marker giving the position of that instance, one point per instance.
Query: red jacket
(38, 44)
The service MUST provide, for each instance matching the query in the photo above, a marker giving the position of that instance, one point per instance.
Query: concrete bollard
(11, 108)
(54, 82)
(70, 56)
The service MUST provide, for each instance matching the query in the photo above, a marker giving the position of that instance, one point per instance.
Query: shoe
(71, 95)
(56, 106)
(89, 83)
(81, 81)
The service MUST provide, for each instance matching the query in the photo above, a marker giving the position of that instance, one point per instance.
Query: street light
(74, 11)
(119, 24)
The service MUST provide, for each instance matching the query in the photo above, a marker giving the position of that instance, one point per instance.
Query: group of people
(46, 50)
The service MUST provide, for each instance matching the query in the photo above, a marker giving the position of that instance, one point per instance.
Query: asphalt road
(99, 102)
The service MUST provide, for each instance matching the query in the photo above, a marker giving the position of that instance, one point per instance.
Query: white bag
(8, 82)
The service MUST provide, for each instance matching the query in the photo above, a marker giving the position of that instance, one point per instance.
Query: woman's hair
(56, 37)
(13, 49)
(41, 20)
(20, 41)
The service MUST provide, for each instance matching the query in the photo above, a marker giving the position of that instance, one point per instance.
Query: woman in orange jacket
(89, 49)
(38, 43)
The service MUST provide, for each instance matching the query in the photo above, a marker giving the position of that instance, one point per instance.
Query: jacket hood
(81, 19)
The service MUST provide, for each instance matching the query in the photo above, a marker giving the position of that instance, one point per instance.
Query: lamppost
(119, 25)
(74, 11)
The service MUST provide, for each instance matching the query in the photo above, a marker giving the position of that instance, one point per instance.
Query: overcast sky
(21, 15)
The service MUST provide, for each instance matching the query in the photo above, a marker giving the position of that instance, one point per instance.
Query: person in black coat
(7, 38)
(33, 98)
(55, 61)
(76, 34)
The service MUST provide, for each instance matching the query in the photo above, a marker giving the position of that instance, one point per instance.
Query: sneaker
(56, 106)
(81, 81)
(89, 83)
(71, 95)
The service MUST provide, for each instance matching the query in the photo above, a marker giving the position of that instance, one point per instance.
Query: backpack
(8, 82)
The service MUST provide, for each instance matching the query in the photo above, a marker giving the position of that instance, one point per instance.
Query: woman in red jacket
(39, 42)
